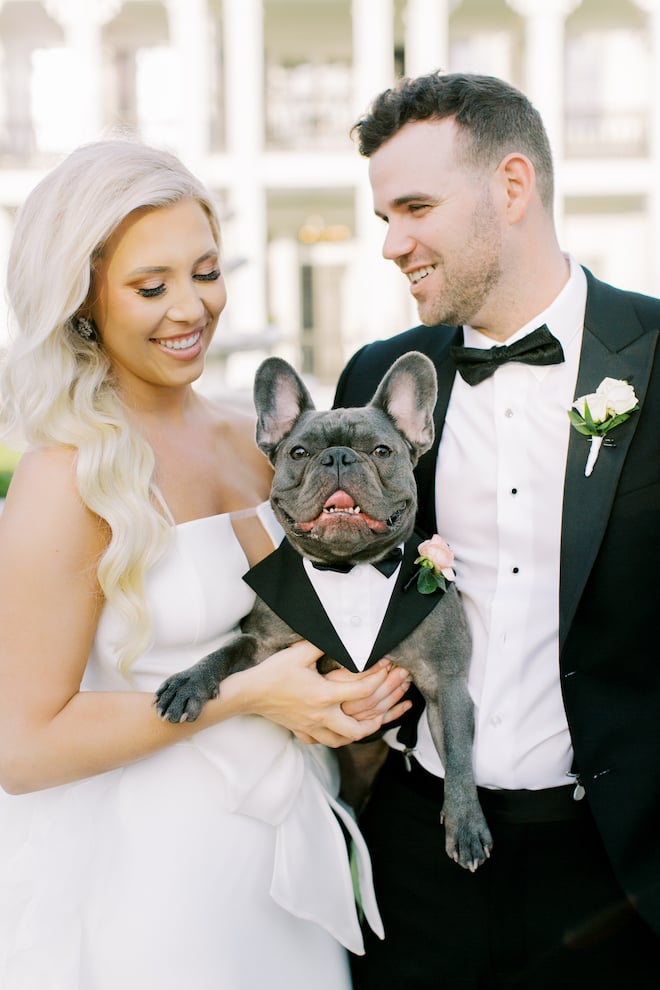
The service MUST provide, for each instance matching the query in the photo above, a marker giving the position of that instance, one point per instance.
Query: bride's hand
(385, 702)
(288, 689)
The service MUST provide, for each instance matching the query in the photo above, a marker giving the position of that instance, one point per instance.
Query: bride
(135, 852)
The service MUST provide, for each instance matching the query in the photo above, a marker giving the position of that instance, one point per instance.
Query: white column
(544, 60)
(544, 73)
(246, 235)
(652, 8)
(427, 36)
(373, 68)
(82, 22)
(18, 113)
(283, 271)
(373, 49)
(189, 32)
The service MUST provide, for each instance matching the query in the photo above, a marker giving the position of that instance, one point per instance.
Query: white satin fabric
(218, 863)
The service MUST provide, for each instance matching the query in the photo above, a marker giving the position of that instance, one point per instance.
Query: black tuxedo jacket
(609, 660)
(281, 581)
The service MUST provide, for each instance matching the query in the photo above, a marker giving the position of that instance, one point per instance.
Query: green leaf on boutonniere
(578, 422)
(428, 580)
(609, 424)
(614, 402)
(588, 428)
(589, 420)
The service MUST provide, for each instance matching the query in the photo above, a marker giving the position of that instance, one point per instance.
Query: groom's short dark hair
(494, 119)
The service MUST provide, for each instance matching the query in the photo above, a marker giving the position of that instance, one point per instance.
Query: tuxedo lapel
(407, 606)
(425, 470)
(281, 582)
(614, 345)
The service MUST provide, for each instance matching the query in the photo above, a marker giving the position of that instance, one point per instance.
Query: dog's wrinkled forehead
(402, 405)
(358, 428)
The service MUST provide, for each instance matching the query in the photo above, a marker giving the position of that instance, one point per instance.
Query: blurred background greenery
(8, 461)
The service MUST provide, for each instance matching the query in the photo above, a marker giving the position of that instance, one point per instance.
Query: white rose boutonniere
(436, 560)
(595, 415)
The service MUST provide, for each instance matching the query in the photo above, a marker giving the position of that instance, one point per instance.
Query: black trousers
(544, 913)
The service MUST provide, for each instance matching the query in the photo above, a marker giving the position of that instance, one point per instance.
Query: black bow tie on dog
(387, 565)
(476, 364)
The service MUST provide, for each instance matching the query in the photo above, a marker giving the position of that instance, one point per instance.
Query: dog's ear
(280, 398)
(407, 394)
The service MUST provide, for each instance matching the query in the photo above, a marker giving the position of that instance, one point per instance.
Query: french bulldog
(345, 494)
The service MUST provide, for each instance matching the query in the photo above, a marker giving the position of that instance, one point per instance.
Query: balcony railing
(603, 134)
(308, 106)
(300, 118)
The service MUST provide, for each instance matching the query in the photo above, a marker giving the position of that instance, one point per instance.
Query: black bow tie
(387, 565)
(475, 363)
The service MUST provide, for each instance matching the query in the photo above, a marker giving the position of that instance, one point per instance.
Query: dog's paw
(468, 841)
(181, 697)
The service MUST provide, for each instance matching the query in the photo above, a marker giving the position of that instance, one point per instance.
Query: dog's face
(343, 488)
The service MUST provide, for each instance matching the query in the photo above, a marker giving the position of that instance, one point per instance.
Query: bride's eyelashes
(149, 292)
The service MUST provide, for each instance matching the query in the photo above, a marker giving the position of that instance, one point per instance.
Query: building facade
(258, 97)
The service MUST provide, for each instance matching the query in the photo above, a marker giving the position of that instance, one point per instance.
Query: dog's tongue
(340, 500)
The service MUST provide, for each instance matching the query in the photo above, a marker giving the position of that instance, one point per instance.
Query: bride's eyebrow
(207, 256)
(159, 269)
(149, 270)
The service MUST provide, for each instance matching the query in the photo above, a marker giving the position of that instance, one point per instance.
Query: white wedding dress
(217, 864)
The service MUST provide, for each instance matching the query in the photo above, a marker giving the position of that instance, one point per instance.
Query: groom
(557, 567)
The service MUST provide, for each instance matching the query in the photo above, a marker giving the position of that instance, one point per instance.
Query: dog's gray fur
(370, 454)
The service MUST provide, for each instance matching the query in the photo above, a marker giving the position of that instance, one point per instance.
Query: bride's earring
(85, 328)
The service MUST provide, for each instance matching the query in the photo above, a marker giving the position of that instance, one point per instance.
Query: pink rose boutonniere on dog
(436, 560)
(594, 415)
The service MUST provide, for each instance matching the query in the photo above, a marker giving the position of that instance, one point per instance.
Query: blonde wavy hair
(58, 388)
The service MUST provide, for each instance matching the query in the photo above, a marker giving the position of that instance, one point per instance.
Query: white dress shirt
(499, 491)
(355, 603)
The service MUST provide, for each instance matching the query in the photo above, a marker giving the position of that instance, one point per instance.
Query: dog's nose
(338, 457)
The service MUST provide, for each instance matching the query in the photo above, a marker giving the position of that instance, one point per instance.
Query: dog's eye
(381, 450)
(297, 453)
